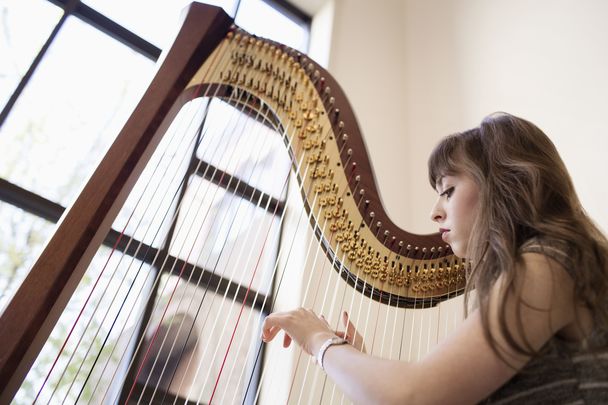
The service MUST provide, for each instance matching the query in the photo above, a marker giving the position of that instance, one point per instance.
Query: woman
(539, 267)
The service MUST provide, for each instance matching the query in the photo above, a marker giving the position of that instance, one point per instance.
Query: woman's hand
(351, 335)
(308, 330)
(302, 325)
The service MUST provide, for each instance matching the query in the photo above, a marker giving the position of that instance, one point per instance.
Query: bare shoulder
(543, 282)
(546, 283)
(535, 305)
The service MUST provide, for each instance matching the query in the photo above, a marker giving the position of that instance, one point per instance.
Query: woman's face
(455, 210)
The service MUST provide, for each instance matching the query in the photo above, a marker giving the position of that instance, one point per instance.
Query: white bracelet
(329, 342)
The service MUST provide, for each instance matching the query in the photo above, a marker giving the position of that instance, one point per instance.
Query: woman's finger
(271, 327)
(286, 340)
(343, 335)
(301, 325)
(350, 328)
(269, 333)
(352, 336)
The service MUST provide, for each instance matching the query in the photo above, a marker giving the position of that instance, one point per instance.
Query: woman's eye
(447, 192)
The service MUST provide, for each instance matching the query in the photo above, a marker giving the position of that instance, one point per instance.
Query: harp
(152, 352)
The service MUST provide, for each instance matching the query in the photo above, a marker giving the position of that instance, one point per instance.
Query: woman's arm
(461, 369)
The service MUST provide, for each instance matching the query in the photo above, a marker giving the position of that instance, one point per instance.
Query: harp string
(195, 239)
(216, 190)
(257, 292)
(72, 329)
(160, 322)
(179, 305)
(421, 317)
(387, 314)
(369, 307)
(189, 250)
(256, 358)
(321, 310)
(131, 239)
(234, 298)
(395, 317)
(247, 323)
(276, 265)
(394, 329)
(310, 217)
(293, 239)
(336, 327)
(154, 262)
(157, 280)
(278, 288)
(333, 391)
(217, 318)
(404, 323)
(413, 322)
(305, 298)
(430, 312)
(123, 326)
(152, 287)
(314, 301)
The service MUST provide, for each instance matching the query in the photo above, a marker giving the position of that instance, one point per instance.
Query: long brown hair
(525, 192)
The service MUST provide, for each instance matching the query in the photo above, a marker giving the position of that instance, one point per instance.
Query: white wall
(416, 70)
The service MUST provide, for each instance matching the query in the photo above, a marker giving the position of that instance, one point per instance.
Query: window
(62, 104)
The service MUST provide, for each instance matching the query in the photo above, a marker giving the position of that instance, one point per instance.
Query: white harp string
(86, 328)
(187, 260)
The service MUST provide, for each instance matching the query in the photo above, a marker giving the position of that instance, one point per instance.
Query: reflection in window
(192, 318)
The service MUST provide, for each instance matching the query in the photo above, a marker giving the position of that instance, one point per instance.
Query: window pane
(22, 237)
(227, 235)
(26, 25)
(156, 21)
(149, 211)
(71, 111)
(259, 18)
(111, 296)
(245, 148)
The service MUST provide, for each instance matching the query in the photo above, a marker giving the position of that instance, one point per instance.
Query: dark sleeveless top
(564, 372)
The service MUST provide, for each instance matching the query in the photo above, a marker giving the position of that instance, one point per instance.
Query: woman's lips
(444, 233)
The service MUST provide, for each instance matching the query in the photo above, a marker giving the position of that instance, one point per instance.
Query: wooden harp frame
(382, 259)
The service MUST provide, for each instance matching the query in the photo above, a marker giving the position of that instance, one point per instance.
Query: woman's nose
(437, 213)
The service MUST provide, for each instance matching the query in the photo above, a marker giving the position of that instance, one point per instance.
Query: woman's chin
(457, 250)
